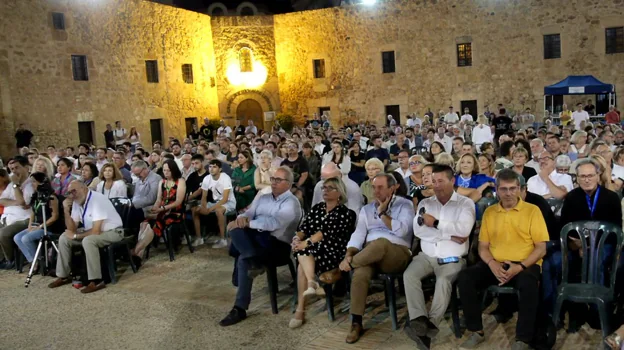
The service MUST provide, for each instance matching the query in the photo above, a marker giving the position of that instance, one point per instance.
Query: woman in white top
(482, 132)
(578, 144)
(264, 171)
(134, 137)
(112, 184)
(338, 156)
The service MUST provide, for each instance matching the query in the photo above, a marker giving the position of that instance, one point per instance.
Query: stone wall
(231, 33)
(37, 86)
(507, 42)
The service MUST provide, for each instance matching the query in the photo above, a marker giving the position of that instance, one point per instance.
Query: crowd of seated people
(399, 199)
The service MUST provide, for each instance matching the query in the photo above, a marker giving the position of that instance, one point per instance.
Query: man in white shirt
(451, 117)
(186, 168)
(579, 115)
(102, 226)
(443, 224)
(251, 128)
(224, 130)
(403, 168)
(443, 138)
(222, 202)
(355, 201)
(549, 183)
(537, 147)
(100, 160)
(15, 218)
(119, 133)
(466, 118)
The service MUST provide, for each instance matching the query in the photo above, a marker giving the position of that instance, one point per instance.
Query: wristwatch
(15, 186)
(435, 224)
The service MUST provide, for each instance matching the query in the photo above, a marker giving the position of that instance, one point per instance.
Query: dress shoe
(236, 315)
(355, 333)
(59, 282)
(92, 287)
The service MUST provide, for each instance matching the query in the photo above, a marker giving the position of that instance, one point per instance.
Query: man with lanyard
(102, 226)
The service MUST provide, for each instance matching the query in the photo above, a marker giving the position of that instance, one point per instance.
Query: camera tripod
(43, 242)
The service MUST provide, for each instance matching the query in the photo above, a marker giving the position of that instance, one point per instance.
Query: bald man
(102, 226)
(355, 201)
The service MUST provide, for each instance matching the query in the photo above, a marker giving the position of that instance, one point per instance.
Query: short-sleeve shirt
(98, 208)
(298, 166)
(356, 159)
(194, 181)
(502, 124)
(206, 132)
(218, 187)
(513, 233)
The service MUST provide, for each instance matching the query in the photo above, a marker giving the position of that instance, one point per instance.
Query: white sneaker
(184, 241)
(197, 242)
(222, 243)
(213, 239)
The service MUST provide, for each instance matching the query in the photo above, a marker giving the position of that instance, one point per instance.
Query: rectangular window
(151, 69)
(464, 55)
(552, 46)
(319, 69)
(58, 19)
(156, 129)
(187, 73)
(85, 132)
(387, 62)
(79, 68)
(614, 40)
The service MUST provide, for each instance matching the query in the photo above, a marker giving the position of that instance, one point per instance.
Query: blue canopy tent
(579, 85)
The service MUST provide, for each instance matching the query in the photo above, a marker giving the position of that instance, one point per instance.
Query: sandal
(312, 287)
(294, 322)
(614, 341)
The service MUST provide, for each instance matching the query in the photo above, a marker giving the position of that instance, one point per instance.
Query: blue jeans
(27, 242)
(252, 246)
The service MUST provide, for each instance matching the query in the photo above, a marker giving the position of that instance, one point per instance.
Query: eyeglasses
(72, 192)
(328, 188)
(543, 159)
(508, 189)
(586, 177)
(420, 221)
(415, 163)
(276, 180)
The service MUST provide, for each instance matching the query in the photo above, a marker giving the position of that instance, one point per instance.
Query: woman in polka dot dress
(326, 232)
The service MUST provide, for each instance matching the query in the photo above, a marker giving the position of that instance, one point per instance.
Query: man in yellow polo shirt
(512, 243)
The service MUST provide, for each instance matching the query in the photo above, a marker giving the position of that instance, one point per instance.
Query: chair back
(483, 204)
(597, 233)
(123, 207)
(555, 205)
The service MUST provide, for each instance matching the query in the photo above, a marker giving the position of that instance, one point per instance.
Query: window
(187, 73)
(319, 69)
(85, 132)
(324, 111)
(58, 19)
(395, 112)
(387, 62)
(79, 68)
(245, 59)
(552, 46)
(464, 55)
(151, 69)
(614, 40)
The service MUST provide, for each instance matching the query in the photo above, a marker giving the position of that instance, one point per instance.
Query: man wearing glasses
(512, 243)
(443, 225)
(264, 232)
(549, 183)
(102, 226)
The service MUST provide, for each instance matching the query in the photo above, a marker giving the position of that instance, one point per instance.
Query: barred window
(187, 73)
(319, 69)
(614, 40)
(552, 46)
(464, 55)
(387, 62)
(151, 70)
(245, 58)
(79, 68)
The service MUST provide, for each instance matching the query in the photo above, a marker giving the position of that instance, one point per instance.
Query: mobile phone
(449, 260)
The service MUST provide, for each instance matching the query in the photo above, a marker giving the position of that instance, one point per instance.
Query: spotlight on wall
(369, 2)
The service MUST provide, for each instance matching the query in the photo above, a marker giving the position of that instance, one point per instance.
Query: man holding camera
(443, 225)
(16, 200)
(102, 226)
(512, 243)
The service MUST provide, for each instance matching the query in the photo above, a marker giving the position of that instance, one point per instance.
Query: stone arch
(261, 97)
(215, 6)
(244, 7)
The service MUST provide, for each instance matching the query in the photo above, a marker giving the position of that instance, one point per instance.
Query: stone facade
(117, 36)
(36, 84)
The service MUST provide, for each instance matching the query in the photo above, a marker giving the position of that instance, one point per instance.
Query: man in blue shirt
(263, 232)
(378, 152)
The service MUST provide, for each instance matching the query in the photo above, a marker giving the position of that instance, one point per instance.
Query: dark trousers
(252, 247)
(479, 277)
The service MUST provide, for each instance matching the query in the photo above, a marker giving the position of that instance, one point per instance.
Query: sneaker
(473, 341)
(236, 315)
(222, 243)
(8, 265)
(197, 242)
(212, 239)
(183, 240)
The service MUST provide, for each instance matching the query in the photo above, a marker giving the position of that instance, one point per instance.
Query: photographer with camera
(43, 199)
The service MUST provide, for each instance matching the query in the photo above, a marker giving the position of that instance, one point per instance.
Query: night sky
(275, 6)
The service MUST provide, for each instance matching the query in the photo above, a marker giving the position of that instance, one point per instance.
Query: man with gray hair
(354, 193)
(145, 191)
(549, 183)
(381, 242)
(537, 147)
(263, 233)
(186, 168)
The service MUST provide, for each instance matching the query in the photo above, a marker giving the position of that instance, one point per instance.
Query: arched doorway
(250, 109)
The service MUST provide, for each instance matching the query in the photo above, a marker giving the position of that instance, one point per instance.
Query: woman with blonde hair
(578, 144)
(43, 165)
(373, 167)
(469, 181)
(444, 158)
(520, 156)
(415, 181)
(111, 183)
(486, 165)
(263, 173)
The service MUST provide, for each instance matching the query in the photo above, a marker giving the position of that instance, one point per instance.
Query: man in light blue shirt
(381, 243)
(264, 232)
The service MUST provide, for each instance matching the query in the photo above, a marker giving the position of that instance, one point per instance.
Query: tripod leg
(32, 265)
